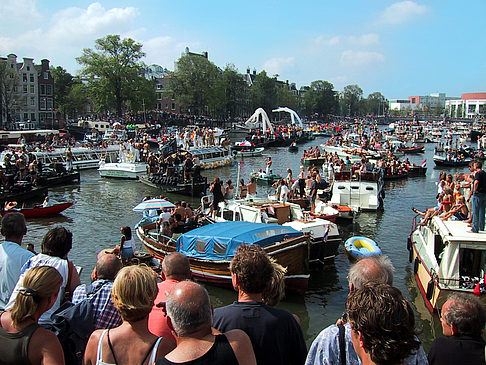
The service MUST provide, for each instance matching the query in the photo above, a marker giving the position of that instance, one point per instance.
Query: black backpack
(73, 324)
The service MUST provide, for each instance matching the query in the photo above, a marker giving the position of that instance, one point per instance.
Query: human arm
(242, 347)
(74, 278)
(122, 241)
(92, 348)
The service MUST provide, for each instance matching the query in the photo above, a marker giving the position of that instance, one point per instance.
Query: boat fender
(409, 243)
(410, 256)
(430, 289)
(416, 265)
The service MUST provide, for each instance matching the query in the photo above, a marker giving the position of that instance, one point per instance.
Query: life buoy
(416, 265)
(430, 289)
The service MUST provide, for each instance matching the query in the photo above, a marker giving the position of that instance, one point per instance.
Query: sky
(398, 48)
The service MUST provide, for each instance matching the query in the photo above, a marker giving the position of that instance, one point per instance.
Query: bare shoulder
(242, 347)
(166, 345)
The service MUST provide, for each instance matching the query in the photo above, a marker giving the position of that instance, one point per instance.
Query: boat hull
(40, 212)
(192, 188)
(123, 170)
(256, 152)
(292, 254)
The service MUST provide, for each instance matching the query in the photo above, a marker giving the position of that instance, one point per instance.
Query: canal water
(102, 206)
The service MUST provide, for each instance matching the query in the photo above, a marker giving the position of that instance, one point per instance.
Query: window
(46, 75)
(28, 68)
(49, 104)
(32, 90)
(26, 116)
(173, 106)
(32, 101)
(49, 89)
(31, 77)
(482, 109)
(43, 89)
(43, 104)
(471, 267)
(24, 77)
(25, 89)
(32, 116)
(471, 108)
(201, 246)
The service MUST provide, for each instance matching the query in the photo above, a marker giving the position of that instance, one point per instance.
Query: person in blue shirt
(12, 255)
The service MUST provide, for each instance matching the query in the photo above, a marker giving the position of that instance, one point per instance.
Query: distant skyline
(399, 48)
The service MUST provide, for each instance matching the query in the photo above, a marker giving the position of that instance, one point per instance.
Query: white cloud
(19, 10)
(165, 50)
(277, 65)
(329, 41)
(401, 12)
(361, 58)
(364, 40)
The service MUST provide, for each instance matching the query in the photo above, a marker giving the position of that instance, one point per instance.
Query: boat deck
(458, 231)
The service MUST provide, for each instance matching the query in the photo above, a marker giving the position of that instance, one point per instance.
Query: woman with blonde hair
(22, 340)
(133, 293)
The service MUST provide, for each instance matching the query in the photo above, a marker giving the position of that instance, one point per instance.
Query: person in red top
(175, 268)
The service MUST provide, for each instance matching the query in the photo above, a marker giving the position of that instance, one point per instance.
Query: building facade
(470, 105)
(28, 98)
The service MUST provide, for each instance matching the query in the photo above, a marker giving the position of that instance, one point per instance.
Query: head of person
(57, 242)
(189, 308)
(127, 232)
(176, 267)
(376, 269)
(478, 164)
(228, 182)
(382, 324)
(14, 226)
(134, 291)
(107, 267)
(251, 269)
(463, 315)
(39, 289)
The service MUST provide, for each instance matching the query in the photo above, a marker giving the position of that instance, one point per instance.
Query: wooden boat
(416, 149)
(293, 147)
(417, 171)
(446, 259)
(53, 179)
(40, 212)
(22, 192)
(250, 152)
(196, 186)
(210, 249)
(358, 247)
(443, 161)
(396, 176)
(313, 161)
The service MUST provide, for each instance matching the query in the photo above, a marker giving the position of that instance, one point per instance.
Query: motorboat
(123, 170)
(250, 152)
(324, 234)
(446, 161)
(265, 179)
(39, 212)
(358, 247)
(446, 259)
(360, 191)
(212, 157)
(195, 186)
(210, 249)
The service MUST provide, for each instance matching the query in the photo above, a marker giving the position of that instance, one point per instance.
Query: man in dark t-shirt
(462, 318)
(275, 334)
(478, 201)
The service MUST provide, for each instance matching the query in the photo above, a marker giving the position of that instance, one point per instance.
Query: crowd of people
(139, 318)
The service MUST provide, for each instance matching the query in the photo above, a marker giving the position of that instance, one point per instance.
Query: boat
(23, 191)
(53, 177)
(40, 212)
(266, 179)
(196, 186)
(313, 161)
(293, 147)
(396, 176)
(212, 157)
(417, 171)
(123, 170)
(446, 259)
(210, 249)
(358, 191)
(83, 157)
(250, 152)
(444, 161)
(358, 247)
(413, 149)
(324, 234)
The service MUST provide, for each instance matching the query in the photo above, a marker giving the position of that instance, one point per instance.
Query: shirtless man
(251, 187)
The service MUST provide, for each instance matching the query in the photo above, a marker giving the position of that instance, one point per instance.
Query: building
(470, 105)
(401, 105)
(430, 101)
(28, 97)
(165, 103)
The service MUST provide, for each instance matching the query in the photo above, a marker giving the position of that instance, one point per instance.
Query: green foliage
(194, 84)
(233, 89)
(115, 74)
(9, 79)
(351, 98)
(375, 104)
(263, 93)
(321, 99)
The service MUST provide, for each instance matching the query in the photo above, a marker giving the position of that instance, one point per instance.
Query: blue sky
(400, 48)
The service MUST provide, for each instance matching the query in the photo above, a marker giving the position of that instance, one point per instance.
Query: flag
(424, 163)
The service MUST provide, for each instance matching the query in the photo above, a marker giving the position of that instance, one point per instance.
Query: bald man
(105, 313)
(190, 316)
(175, 268)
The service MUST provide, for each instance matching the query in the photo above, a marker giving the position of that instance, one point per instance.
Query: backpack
(73, 324)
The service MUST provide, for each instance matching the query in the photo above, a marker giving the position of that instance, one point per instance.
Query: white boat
(325, 237)
(250, 153)
(361, 192)
(123, 170)
(83, 157)
(212, 157)
(446, 258)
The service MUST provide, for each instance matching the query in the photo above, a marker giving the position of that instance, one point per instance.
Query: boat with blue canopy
(210, 249)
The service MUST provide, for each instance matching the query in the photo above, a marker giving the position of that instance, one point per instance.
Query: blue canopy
(218, 241)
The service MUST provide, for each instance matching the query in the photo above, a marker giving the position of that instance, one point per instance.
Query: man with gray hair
(334, 344)
(12, 255)
(462, 318)
(190, 316)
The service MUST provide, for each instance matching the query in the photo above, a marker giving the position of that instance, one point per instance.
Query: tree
(263, 92)
(286, 98)
(321, 99)
(352, 95)
(9, 81)
(115, 73)
(193, 83)
(235, 91)
(376, 103)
